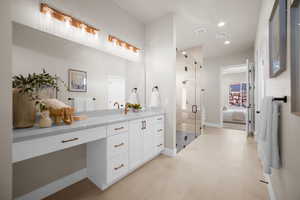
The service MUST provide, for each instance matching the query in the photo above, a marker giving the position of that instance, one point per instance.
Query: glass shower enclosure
(188, 101)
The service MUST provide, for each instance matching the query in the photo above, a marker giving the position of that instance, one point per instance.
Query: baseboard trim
(270, 188)
(170, 152)
(55, 186)
(215, 125)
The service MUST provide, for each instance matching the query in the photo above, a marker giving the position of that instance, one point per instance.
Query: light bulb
(96, 34)
(68, 21)
(221, 24)
(227, 42)
(114, 42)
(83, 27)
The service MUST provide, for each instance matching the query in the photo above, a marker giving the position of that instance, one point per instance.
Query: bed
(234, 115)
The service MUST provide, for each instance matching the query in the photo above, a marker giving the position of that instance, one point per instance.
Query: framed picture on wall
(278, 38)
(294, 56)
(77, 81)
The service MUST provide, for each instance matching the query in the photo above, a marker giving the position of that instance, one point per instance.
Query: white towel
(268, 135)
(155, 98)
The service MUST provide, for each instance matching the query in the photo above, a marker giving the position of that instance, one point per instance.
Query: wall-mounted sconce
(155, 97)
(121, 43)
(69, 20)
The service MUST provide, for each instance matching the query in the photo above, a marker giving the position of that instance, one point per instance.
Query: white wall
(210, 81)
(160, 61)
(6, 102)
(285, 181)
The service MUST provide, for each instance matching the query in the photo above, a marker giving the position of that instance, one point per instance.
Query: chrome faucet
(116, 103)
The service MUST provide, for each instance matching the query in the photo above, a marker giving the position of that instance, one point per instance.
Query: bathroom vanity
(117, 144)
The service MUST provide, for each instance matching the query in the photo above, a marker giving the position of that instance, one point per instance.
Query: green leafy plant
(33, 83)
(134, 106)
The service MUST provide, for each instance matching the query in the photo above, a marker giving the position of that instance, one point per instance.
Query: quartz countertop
(95, 119)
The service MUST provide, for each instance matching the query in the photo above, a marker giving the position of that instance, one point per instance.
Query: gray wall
(210, 81)
(5, 105)
(285, 181)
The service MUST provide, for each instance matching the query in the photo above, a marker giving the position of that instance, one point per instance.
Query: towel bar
(284, 99)
(71, 99)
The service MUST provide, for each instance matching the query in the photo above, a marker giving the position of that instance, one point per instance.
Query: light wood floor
(221, 164)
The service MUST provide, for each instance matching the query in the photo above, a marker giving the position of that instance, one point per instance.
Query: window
(238, 94)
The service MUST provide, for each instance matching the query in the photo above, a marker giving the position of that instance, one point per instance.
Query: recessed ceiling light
(221, 24)
(183, 52)
(227, 42)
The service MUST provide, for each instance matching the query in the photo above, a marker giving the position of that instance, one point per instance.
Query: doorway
(237, 97)
(188, 101)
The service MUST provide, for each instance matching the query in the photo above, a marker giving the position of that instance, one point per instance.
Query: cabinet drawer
(117, 167)
(115, 129)
(159, 139)
(159, 143)
(40, 146)
(117, 144)
(159, 119)
(159, 130)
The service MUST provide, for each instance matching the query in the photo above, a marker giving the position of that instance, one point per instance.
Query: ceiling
(241, 17)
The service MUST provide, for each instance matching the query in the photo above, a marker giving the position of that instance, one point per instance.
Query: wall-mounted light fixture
(69, 20)
(121, 43)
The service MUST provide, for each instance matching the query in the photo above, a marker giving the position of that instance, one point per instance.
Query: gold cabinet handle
(159, 118)
(117, 168)
(119, 145)
(159, 130)
(70, 140)
(159, 145)
(117, 129)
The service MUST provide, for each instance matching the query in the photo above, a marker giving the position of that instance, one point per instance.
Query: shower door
(188, 111)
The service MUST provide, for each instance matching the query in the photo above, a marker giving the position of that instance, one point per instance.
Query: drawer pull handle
(117, 129)
(70, 140)
(117, 168)
(159, 119)
(119, 145)
(159, 145)
(159, 130)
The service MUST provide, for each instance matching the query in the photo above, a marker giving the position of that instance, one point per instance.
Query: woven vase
(23, 110)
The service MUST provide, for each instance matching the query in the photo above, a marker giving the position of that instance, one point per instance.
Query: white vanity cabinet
(146, 139)
(136, 140)
(127, 146)
(159, 136)
(107, 160)
(115, 147)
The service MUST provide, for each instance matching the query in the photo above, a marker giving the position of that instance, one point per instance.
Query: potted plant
(135, 107)
(26, 96)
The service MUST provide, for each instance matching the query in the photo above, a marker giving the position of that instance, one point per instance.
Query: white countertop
(95, 119)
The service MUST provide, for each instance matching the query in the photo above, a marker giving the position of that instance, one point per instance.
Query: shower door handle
(194, 108)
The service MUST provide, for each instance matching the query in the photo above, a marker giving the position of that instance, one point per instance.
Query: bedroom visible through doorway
(234, 96)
